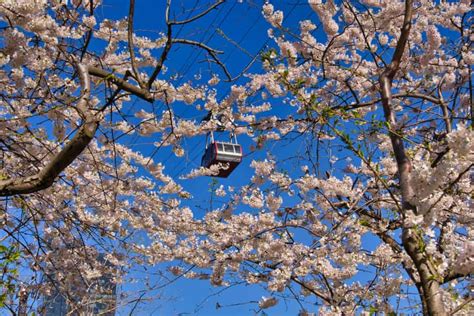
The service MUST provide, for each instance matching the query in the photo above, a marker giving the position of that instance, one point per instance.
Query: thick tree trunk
(430, 293)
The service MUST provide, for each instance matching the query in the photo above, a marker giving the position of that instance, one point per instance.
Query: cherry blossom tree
(371, 214)
(70, 191)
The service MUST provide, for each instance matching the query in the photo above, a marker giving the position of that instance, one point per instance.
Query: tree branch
(131, 46)
(461, 306)
(414, 95)
(386, 78)
(213, 52)
(167, 48)
(67, 155)
(200, 15)
(453, 275)
(198, 44)
(123, 84)
(410, 238)
(444, 109)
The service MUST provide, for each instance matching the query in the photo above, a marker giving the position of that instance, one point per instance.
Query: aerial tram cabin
(222, 152)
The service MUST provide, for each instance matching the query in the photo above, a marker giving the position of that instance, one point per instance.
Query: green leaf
(364, 222)
(3, 298)
(13, 257)
(372, 310)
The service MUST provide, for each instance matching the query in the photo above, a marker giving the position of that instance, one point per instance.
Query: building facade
(100, 298)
